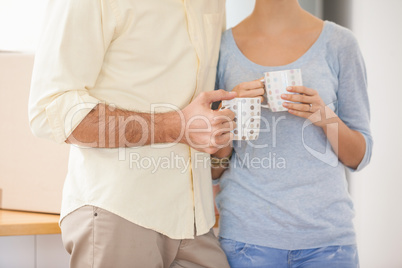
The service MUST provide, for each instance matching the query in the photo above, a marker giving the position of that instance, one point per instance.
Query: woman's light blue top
(287, 189)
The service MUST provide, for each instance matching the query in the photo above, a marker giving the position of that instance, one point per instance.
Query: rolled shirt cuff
(67, 111)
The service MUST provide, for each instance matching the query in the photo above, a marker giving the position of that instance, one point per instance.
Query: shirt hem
(200, 232)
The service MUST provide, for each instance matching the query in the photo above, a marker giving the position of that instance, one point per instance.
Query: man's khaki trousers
(98, 238)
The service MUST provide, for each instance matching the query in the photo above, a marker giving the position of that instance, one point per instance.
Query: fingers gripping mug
(276, 84)
(247, 117)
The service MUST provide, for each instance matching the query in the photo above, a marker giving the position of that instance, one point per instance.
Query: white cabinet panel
(17, 251)
(50, 252)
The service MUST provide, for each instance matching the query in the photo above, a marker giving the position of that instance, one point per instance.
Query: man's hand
(207, 130)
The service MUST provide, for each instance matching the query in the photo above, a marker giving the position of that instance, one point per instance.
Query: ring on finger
(311, 106)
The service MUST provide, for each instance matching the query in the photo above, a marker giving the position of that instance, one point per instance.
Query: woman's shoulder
(340, 37)
(228, 46)
(227, 38)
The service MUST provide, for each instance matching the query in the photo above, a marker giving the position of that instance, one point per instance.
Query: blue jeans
(252, 256)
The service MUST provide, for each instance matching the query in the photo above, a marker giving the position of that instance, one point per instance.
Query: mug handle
(265, 105)
(222, 107)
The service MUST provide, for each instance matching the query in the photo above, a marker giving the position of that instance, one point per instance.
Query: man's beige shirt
(133, 55)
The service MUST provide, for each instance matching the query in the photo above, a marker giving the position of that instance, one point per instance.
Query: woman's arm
(220, 161)
(348, 130)
(348, 144)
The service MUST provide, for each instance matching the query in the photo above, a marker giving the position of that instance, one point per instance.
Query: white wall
(237, 10)
(377, 189)
(33, 251)
(20, 23)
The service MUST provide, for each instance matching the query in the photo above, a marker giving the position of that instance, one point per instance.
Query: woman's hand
(310, 106)
(348, 144)
(251, 89)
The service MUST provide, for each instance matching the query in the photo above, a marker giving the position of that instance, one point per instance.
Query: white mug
(276, 84)
(247, 117)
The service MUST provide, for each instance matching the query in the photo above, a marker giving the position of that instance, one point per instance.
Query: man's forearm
(196, 125)
(108, 127)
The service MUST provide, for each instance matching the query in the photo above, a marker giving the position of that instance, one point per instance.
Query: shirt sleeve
(353, 102)
(68, 60)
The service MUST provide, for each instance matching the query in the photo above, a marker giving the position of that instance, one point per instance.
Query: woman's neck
(276, 16)
(277, 33)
